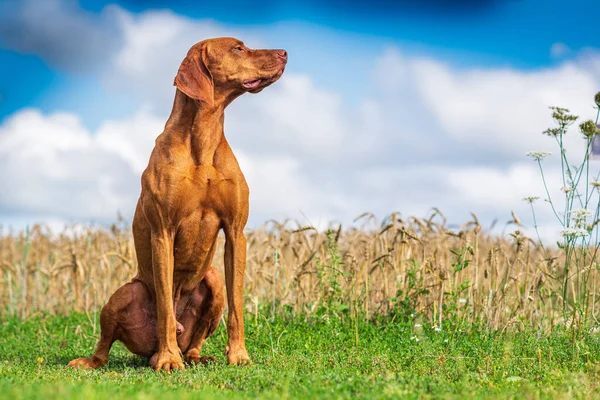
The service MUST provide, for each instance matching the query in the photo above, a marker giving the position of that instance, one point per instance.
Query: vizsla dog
(192, 188)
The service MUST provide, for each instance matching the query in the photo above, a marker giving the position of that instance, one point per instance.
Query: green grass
(300, 359)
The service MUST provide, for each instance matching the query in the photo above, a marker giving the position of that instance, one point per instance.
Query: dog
(192, 188)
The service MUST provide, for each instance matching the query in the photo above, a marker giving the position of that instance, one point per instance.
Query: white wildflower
(437, 329)
(462, 301)
(574, 232)
(595, 183)
(416, 339)
(445, 340)
(567, 189)
(581, 213)
(537, 155)
(418, 325)
(579, 216)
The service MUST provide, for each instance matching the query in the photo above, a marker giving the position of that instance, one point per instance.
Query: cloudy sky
(385, 106)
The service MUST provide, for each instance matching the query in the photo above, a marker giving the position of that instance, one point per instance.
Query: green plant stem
(547, 191)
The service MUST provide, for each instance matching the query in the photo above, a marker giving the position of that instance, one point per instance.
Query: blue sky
(371, 71)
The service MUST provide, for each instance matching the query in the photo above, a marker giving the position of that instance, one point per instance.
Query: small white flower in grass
(537, 155)
(418, 325)
(416, 339)
(530, 199)
(445, 340)
(437, 329)
(574, 233)
(462, 301)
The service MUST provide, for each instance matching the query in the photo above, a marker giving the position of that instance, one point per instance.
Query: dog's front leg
(168, 356)
(235, 266)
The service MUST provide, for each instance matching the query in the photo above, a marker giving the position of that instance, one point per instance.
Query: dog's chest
(207, 188)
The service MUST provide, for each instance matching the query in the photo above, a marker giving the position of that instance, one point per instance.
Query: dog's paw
(86, 363)
(166, 361)
(237, 355)
(195, 359)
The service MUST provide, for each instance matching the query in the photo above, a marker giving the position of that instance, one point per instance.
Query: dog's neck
(201, 123)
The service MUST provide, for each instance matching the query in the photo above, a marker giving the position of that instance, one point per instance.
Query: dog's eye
(238, 48)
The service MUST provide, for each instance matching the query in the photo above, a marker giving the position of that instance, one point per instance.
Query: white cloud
(293, 114)
(132, 139)
(279, 189)
(51, 166)
(504, 108)
(60, 32)
(559, 50)
(498, 187)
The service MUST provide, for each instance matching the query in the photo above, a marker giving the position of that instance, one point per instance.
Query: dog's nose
(281, 54)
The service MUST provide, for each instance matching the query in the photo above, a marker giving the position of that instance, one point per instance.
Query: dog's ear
(194, 78)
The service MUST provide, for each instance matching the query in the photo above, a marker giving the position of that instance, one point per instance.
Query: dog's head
(224, 68)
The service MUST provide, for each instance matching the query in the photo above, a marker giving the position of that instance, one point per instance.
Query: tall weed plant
(577, 211)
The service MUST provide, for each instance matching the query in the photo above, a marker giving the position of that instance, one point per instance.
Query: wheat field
(415, 265)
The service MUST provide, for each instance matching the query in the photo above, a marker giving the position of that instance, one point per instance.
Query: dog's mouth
(256, 85)
(252, 83)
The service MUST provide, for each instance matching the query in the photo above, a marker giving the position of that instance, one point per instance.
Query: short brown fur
(192, 188)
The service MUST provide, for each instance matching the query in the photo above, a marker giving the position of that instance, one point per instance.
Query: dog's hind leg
(109, 327)
(210, 311)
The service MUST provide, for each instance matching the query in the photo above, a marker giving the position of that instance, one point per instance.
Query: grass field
(316, 358)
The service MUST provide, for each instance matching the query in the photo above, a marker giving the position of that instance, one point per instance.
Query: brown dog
(192, 188)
